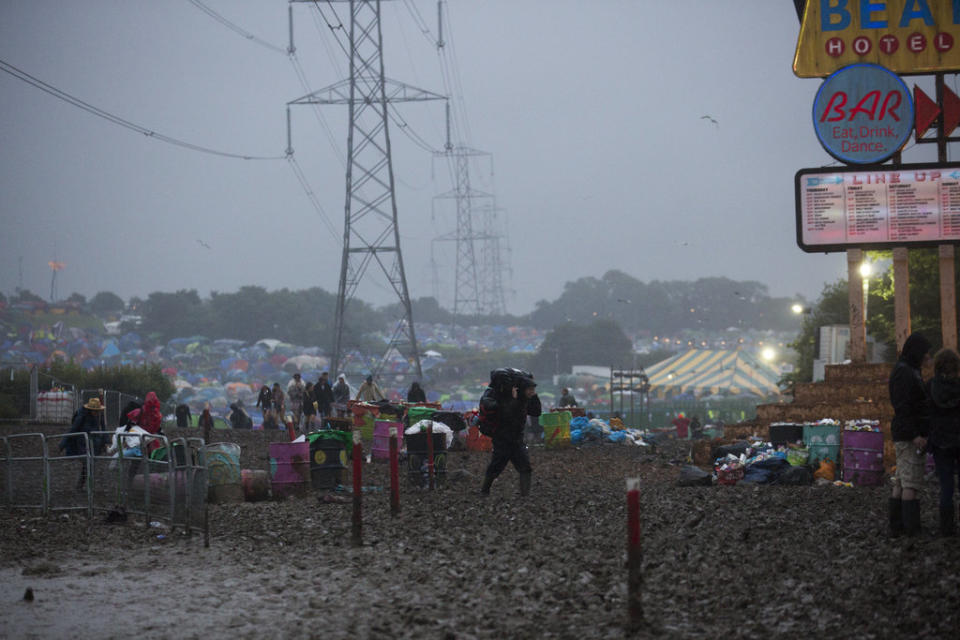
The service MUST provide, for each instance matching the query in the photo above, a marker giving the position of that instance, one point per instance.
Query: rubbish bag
(691, 476)
(736, 449)
(796, 475)
(765, 471)
(827, 470)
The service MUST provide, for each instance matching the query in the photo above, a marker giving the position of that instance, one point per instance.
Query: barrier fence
(36, 474)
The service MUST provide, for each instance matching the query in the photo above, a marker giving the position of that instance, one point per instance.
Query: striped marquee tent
(713, 371)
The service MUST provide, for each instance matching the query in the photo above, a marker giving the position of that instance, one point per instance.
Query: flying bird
(710, 118)
(203, 244)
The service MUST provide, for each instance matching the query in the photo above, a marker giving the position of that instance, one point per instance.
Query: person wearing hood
(909, 430)
(416, 393)
(511, 403)
(323, 394)
(943, 394)
(151, 420)
(341, 395)
(370, 391)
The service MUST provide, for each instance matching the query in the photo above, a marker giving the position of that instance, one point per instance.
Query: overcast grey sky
(592, 111)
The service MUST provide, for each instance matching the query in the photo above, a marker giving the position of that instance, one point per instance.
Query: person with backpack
(504, 407)
(88, 419)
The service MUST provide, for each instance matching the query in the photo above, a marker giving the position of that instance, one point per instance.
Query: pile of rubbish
(595, 430)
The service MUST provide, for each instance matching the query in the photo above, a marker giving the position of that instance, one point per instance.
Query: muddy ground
(742, 562)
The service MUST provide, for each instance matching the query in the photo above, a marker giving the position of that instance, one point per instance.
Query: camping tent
(713, 371)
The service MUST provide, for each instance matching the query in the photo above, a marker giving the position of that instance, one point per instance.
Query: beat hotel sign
(905, 36)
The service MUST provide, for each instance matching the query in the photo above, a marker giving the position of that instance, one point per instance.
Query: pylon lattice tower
(371, 234)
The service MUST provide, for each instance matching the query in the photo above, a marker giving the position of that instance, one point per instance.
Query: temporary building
(702, 372)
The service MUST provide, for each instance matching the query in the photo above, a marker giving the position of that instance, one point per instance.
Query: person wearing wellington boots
(909, 430)
(943, 393)
(512, 402)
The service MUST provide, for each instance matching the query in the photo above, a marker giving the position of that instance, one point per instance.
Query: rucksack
(487, 419)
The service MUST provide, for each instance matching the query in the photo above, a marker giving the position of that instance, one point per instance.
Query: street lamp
(768, 354)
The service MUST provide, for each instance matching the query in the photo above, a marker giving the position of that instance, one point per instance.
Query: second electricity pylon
(370, 233)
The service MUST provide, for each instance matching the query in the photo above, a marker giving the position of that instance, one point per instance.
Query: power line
(312, 196)
(234, 27)
(109, 117)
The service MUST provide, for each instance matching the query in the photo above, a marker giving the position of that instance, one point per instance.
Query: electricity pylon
(371, 233)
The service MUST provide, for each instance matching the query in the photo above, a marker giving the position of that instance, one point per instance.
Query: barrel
(289, 468)
(223, 472)
(328, 459)
(418, 455)
(823, 442)
(784, 433)
(556, 428)
(863, 458)
(256, 484)
(381, 438)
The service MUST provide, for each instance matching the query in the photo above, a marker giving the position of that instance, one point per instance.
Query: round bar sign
(863, 114)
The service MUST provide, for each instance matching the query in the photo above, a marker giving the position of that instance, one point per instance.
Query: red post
(394, 473)
(290, 432)
(634, 553)
(430, 453)
(357, 538)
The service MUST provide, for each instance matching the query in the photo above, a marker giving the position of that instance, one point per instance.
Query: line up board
(839, 209)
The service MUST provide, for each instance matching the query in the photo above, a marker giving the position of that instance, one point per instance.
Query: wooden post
(948, 297)
(394, 473)
(858, 332)
(634, 554)
(430, 454)
(357, 538)
(901, 295)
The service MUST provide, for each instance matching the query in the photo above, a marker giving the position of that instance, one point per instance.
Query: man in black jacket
(909, 430)
(511, 400)
(323, 394)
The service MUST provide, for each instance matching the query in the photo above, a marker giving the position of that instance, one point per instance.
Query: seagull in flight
(203, 244)
(710, 118)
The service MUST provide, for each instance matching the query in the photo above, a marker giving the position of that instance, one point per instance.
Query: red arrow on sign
(926, 109)
(951, 111)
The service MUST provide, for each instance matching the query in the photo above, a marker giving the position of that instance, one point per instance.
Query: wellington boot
(526, 479)
(948, 526)
(485, 488)
(911, 517)
(895, 508)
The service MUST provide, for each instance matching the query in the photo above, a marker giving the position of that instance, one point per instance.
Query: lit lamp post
(866, 269)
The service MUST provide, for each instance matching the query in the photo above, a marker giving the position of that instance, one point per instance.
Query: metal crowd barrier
(173, 490)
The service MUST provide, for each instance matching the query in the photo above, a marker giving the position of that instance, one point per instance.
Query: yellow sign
(905, 36)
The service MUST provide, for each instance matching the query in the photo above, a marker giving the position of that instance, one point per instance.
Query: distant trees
(707, 303)
(106, 302)
(601, 342)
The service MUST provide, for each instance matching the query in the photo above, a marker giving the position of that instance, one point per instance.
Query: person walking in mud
(295, 395)
(909, 430)
(504, 407)
(943, 394)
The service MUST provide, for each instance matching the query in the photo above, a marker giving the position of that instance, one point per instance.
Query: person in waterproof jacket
(416, 393)
(265, 403)
(510, 399)
(909, 431)
(87, 420)
(943, 394)
(323, 394)
(151, 420)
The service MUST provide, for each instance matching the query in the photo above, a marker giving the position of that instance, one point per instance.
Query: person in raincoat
(323, 394)
(87, 420)
(151, 420)
(416, 393)
(370, 391)
(341, 395)
(265, 404)
(295, 397)
(278, 404)
(508, 400)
